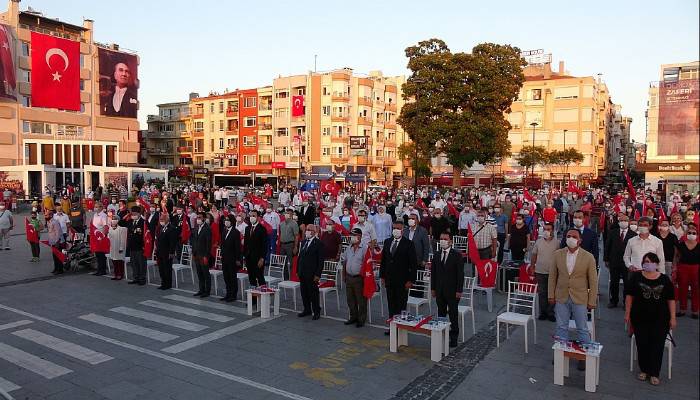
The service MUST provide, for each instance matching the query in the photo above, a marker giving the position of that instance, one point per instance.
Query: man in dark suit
(153, 220)
(419, 236)
(307, 214)
(446, 282)
(309, 267)
(589, 238)
(613, 253)
(201, 247)
(166, 247)
(230, 257)
(122, 99)
(134, 246)
(256, 247)
(398, 269)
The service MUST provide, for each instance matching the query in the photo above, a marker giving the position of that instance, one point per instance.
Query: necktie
(394, 246)
(622, 236)
(444, 256)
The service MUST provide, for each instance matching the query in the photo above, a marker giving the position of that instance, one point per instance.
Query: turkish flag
(369, 286)
(486, 269)
(330, 187)
(297, 106)
(99, 242)
(185, 232)
(32, 234)
(147, 242)
(8, 80)
(55, 72)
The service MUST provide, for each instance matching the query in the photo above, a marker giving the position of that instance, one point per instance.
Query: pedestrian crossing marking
(187, 311)
(8, 386)
(62, 346)
(161, 319)
(32, 363)
(128, 327)
(206, 303)
(15, 324)
(188, 344)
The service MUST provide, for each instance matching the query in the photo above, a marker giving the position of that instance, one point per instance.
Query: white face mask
(547, 234)
(643, 230)
(309, 234)
(411, 222)
(444, 244)
(354, 239)
(227, 223)
(114, 222)
(572, 243)
(361, 219)
(329, 228)
(578, 222)
(253, 220)
(633, 228)
(624, 224)
(692, 237)
(396, 233)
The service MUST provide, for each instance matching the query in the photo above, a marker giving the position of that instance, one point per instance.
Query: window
(326, 110)
(221, 107)
(199, 146)
(264, 158)
(568, 92)
(282, 132)
(515, 119)
(250, 121)
(25, 49)
(587, 114)
(339, 150)
(536, 94)
(571, 138)
(249, 140)
(249, 102)
(232, 143)
(301, 91)
(211, 108)
(515, 138)
(211, 126)
(586, 137)
(221, 144)
(211, 145)
(281, 112)
(326, 131)
(300, 131)
(266, 140)
(566, 115)
(199, 126)
(326, 91)
(338, 130)
(325, 151)
(533, 116)
(221, 125)
(250, 159)
(281, 93)
(281, 151)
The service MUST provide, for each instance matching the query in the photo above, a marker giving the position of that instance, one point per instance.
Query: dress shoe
(132, 282)
(230, 299)
(142, 283)
(552, 318)
(203, 295)
(612, 305)
(542, 317)
(581, 365)
(303, 314)
(350, 322)
(359, 325)
(316, 316)
(453, 343)
(197, 294)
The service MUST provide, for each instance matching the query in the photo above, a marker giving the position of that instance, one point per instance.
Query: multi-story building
(167, 131)
(46, 146)
(618, 144)
(673, 129)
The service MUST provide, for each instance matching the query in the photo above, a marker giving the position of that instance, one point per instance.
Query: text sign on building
(536, 56)
(358, 142)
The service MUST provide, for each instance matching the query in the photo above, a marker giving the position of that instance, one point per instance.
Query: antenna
(315, 58)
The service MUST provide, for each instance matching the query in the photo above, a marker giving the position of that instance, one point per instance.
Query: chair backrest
(460, 244)
(521, 298)
(345, 240)
(186, 256)
(276, 267)
(330, 269)
(217, 261)
(468, 290)
(421, 288)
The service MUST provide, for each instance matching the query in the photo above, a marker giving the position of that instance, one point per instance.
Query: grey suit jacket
(421, 242)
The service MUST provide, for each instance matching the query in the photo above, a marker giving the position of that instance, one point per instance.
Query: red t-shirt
(549, 215)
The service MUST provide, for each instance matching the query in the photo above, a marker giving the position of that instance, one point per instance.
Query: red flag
(57, 252)
(325, 220)
(147, 242)
(528, 196)
(330, 187)
(525, 277)
(630, 187)
(144, 203)
(452, 210)
(267, 226)
(7, 63)
(99, 242)
(420, 204)
(185, 231)
(487, 269)
(55, 72)
(239, 208)
(367, 272)
(32, 234)
(353, 218)
(215, 238)
(297, 106)
(294, 277)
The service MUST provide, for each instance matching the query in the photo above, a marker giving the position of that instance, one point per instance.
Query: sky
(204, 45)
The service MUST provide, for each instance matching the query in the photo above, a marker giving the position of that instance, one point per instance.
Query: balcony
(161, 135)
(390, 143)
(338, 139)
(265, 127)
(338, 96)
(199, 114)
(389, 162)
(167, 118)
(232, 132)
(198, 134)
(184, 149)
(362, 160)
(364, 121)
(232, 150)
(364, 101)
(338, 159)
(390, 88)
(158, 150)
(390, 107)
(389, 125)
(340, 118)
(265, 107)
(231, 113)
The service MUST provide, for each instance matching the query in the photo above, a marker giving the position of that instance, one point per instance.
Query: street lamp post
(415, 148)
(533, 125)
(566, 169)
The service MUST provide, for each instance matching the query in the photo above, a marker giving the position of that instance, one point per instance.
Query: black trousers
(502, 242)
(138, 265)
(57, 263)
(256, 275)
(35, 249)
(230, 269)
(396, 298)
(165, 269)
(650, 338)
(447, 305)
(616, 272)
(546, 309)
(203, 276)
(309, 295)
(101, 263)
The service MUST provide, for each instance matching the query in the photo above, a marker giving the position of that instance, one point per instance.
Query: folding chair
(327, 282)
(184, 264)
(468, 297)
(276, 267)
(520, 309)
(151, 263)
(217, 271)
(419, 294)
(377, 293)
(460, 243)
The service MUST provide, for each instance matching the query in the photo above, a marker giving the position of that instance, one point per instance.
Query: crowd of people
(648, 239)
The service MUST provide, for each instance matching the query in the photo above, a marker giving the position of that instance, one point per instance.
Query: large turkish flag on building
(297, 106)
(55, 72)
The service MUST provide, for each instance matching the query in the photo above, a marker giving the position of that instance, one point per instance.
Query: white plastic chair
(521, 297)
(468, 297)
(460, 243)
(184, 264)
(487, 290)
(669, 350)
(283, 285)
(419, 294)
(328, 275)
(377, 293)
(110, 263)
(217, 271)
(151, 263)
(275, 270)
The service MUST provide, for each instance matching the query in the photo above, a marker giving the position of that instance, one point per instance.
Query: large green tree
(460, 101)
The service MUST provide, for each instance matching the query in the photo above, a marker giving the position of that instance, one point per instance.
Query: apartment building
(41, 145)
(167, 133)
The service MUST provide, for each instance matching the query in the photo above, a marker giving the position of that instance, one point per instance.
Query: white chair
(460, 243)
(520, 309)
(217, 271)
(377, 293)
(275, 271)
(669, 350)
(487, 290)
(468, 297)
(151, 263)
(185, 264)
(590, 323)
(419, 294)
(243, 280)
(110, 263)
(328, 274)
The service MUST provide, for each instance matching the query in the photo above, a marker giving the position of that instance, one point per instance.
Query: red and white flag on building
(55, 72)
(297, 106)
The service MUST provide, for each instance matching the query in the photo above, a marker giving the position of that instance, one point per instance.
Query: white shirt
(241, 228)
(99, 220)
(63, 221)
(284, 198)
(638, 247)
(273, 219)
(117, 98)
(571, 260)
(368, 232)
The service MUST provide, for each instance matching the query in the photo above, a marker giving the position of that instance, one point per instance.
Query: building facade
(46, 146)
(673, 129)
(619, 145)
(167, 131)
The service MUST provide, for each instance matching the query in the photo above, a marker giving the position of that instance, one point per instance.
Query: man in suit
(309, 268)
(201, 247)
(255, 249)
(122, 99)
(153, 220)
(613, 253)
(589, 238)
(573, 287)
(419, 236)
(307, 213)
(230, 257)
(398, 269)
(166, 247)
(135, 243)
(446, 282)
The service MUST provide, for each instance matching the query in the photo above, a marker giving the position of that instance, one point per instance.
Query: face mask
(497, 210)
(114, 202)
(114, 222)
(663, 229)
(649, 267)
(526, 212)
(444, 244)
(253, 220)
(578, 222)
(572, 243)
(438, 215)
(411, 222)
(239, 219)
(295, 217)
(346, 212)
(633, 228)
(624, 224)
(354, 239)
(547, 234)
(34, 209)
(480, 219)
(199, 221)
(309, 234)
(361, 219)
(643, 229)
(684, 208)
(396, 233)
(692, 237)
(519, 221)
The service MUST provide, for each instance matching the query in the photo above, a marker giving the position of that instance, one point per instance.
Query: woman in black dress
(518, 238)
(650, 308)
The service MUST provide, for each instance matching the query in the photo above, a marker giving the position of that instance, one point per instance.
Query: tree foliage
(530, 156)
(566, 157)
(407, 151)
(460, 101)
